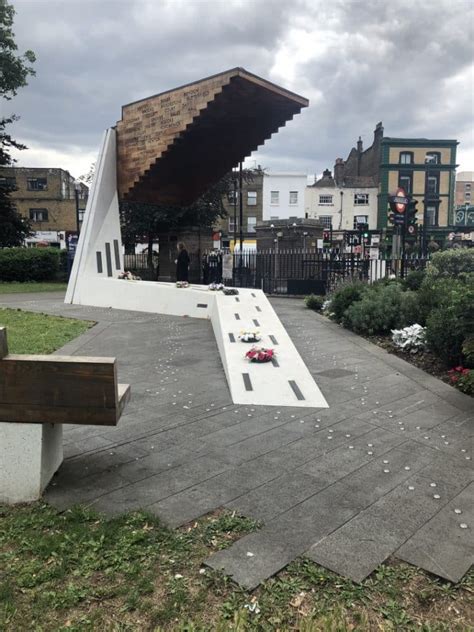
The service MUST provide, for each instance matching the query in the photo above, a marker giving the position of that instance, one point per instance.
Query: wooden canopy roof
(172, 146)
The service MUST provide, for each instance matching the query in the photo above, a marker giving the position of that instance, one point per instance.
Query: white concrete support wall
(29, 456)
(99, 251)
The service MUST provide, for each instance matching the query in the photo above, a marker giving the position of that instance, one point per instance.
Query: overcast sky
(408, 63)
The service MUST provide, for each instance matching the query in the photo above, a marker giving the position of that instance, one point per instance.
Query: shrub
(377, 312)
(412, 309)
(451, 262)
(414, 279)
(314, 302)
(28, 264)
(463, 379)
(344, 297)
(410, 339)
(468, 349)
(452, 322)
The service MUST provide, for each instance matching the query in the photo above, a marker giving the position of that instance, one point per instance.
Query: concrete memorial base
(30, 454)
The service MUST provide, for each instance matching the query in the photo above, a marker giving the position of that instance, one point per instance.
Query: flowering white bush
(410, 339)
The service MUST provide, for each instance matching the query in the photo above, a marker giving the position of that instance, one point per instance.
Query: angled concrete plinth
(29, 456)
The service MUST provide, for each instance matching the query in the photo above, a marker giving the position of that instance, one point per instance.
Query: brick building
(252, 205)
(425, 168)
(47, 198)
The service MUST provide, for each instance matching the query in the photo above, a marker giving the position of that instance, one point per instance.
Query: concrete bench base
(29, 456)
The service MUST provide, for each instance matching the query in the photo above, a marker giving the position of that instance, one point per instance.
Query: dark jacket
(182, 267)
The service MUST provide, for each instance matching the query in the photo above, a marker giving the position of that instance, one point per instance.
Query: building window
(467, 195)
(405, 179)
(251, 198)
(325, 199)
(431, 216)
(406, 157)
(433, 158)
(274, 197)
(360, 219)
(293, 197)
(37, 184)
(38, 214)
(8, 182)
(251, 223)
(326, 221)
(467, 186)
(233, 196)
(361, 199)
(432, 184)
(231, 225)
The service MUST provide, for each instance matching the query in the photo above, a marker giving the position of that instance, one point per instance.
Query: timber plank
(3, 342)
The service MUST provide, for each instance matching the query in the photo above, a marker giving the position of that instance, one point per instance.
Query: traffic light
(411, 213)
(326, 236)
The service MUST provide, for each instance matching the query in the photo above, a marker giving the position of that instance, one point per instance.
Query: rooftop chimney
(359, 145)
(378, 133)
(339, 170)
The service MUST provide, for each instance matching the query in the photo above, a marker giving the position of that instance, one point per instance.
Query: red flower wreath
(260, 354)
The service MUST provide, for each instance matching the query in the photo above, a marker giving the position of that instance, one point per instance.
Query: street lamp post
(77, 190)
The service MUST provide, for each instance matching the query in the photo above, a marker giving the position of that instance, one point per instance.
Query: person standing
(182, 263)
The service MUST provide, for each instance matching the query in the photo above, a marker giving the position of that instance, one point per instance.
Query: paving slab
(183, 449)
(359, 546)
(444, 546)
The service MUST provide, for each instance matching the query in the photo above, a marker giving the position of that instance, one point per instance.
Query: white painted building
(342, 206)
(283, 195)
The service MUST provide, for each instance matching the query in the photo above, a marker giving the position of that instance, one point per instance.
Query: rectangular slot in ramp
(247, 382)
(296, 389)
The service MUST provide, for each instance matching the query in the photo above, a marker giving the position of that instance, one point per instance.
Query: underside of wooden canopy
(173, 146)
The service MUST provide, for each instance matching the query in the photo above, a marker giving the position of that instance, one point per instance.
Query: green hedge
(29, 264)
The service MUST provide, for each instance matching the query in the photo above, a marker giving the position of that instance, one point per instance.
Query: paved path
(386, 470)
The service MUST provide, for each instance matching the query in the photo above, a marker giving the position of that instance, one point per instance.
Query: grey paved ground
(385, 470)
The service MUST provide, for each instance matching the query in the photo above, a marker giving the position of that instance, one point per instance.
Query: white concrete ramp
(286, 380)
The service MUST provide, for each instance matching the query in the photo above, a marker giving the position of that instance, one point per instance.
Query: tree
(15, 70)
(87, 178)
(146, 221)
(13, 228)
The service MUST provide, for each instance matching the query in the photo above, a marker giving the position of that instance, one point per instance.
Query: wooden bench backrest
(3, 342)
(57, 389)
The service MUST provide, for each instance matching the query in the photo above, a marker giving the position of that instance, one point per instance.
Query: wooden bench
(38, 394)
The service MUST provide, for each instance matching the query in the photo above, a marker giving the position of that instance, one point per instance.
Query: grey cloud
(389, 61)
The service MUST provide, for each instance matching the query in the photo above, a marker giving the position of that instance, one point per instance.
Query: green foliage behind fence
(29, 264)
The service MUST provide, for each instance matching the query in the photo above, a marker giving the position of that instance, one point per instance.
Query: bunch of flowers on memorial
(182, 284)
(215, 287)
(230, 291)
(411, 339)
(260, 354)
(251, 335)
(128, 276)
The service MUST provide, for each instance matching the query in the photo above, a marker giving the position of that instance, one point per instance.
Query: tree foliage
(146, 221)
(15, 70)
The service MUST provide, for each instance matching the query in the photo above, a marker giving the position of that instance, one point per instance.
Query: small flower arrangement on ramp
(411, 339)
(182, 284)
(216, 287)
(128, 276)
(250, 336)
(260, 355)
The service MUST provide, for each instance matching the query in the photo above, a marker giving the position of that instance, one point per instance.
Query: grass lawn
(29, 332)
(17, 288)
(79, 571)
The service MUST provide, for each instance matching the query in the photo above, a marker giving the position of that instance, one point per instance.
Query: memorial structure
(169, 149)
